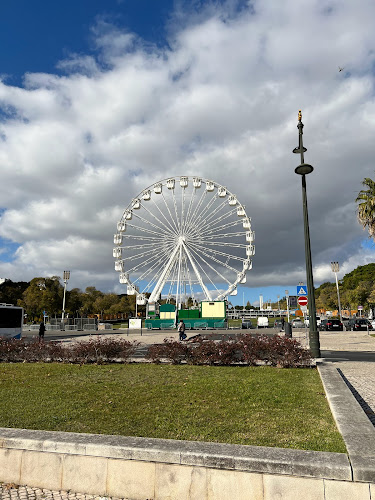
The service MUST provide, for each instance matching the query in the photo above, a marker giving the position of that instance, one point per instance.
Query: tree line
(46, 294)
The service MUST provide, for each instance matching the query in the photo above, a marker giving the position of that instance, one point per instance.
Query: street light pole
(287, 302)
(304, 169)
(65, 279)
(335, 269)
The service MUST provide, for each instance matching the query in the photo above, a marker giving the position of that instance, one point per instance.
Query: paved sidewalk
(353, 354)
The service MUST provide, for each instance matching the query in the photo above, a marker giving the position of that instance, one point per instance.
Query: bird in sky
(340, 69)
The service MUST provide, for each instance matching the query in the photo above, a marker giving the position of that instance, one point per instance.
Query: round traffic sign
(302, 301)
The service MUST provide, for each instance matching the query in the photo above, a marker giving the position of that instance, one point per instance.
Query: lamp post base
(314, 343)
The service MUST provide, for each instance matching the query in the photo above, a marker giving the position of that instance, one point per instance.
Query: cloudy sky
(101, 98)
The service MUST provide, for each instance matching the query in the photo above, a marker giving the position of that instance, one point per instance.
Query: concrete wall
(158, 469)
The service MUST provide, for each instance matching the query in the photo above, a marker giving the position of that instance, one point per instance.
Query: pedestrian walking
(181, 331)
(42, 329)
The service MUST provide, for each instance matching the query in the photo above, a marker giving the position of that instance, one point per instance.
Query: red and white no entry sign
(302, 301)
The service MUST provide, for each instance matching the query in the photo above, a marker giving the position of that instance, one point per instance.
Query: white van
(262, 322)
(318, 321)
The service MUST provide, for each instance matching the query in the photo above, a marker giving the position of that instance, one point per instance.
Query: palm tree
(366, 206)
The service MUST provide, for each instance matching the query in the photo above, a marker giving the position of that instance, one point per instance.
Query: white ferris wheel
(183, 237)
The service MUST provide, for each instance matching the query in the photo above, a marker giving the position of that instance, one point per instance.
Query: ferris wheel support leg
(204, 288)
(178, 295)
(164, 275)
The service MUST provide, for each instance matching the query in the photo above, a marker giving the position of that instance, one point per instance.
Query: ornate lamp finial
(299, 115)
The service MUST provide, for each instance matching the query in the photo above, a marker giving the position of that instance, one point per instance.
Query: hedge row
(245, 349)
(92, 351)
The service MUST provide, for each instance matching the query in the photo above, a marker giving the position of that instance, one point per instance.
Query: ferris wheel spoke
(204, 210)
(156, 257)
(197, 208)
(224, 235)
(223, 226)
(182, 209)
(148, 271)
(154, 239)
(138, 256)
(143, 230)
(206, 224)
(175, 209)
(226, 244)
(223, 264)
(170, 214)
(210, 203)
(189, 210)
(214, 256)
(140, 265)
(198, 256)
(171, 228)
(217, 252)
(173, 279)
(138, 247)
(166, 272)
(160, 265)
(217, 210)
(160, 228)
(141, 255)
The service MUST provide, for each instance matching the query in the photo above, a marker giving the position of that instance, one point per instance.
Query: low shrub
(102, 350)
(170, 350)
(92, 351)
(246, 349)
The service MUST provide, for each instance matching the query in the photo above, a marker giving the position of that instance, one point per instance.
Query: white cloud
(221, 103)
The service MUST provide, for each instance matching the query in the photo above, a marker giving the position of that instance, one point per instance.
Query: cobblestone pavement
(15, 492)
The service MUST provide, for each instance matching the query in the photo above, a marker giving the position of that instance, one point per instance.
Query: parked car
(356, 324)
(279, 323)
(297, 323)
(247, 325)
(331, 324)
(318, 321)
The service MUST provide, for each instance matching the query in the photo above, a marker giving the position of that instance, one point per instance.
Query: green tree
(11, 292)
(104, 302)
(366, 206)
(74, 300)
(88, 300)
(43, 294)
(326, 296)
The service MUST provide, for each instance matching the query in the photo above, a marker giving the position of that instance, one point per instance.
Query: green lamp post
(304, 169)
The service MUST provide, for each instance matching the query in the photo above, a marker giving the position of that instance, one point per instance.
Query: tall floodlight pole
(304, 169)
(335, 269)
(65, 279)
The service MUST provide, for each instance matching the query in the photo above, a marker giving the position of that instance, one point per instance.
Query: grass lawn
(260, 406)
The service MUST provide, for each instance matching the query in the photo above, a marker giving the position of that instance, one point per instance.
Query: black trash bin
(288, 330)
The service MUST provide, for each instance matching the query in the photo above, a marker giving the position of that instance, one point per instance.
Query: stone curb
(356, 429)
(214, 455)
